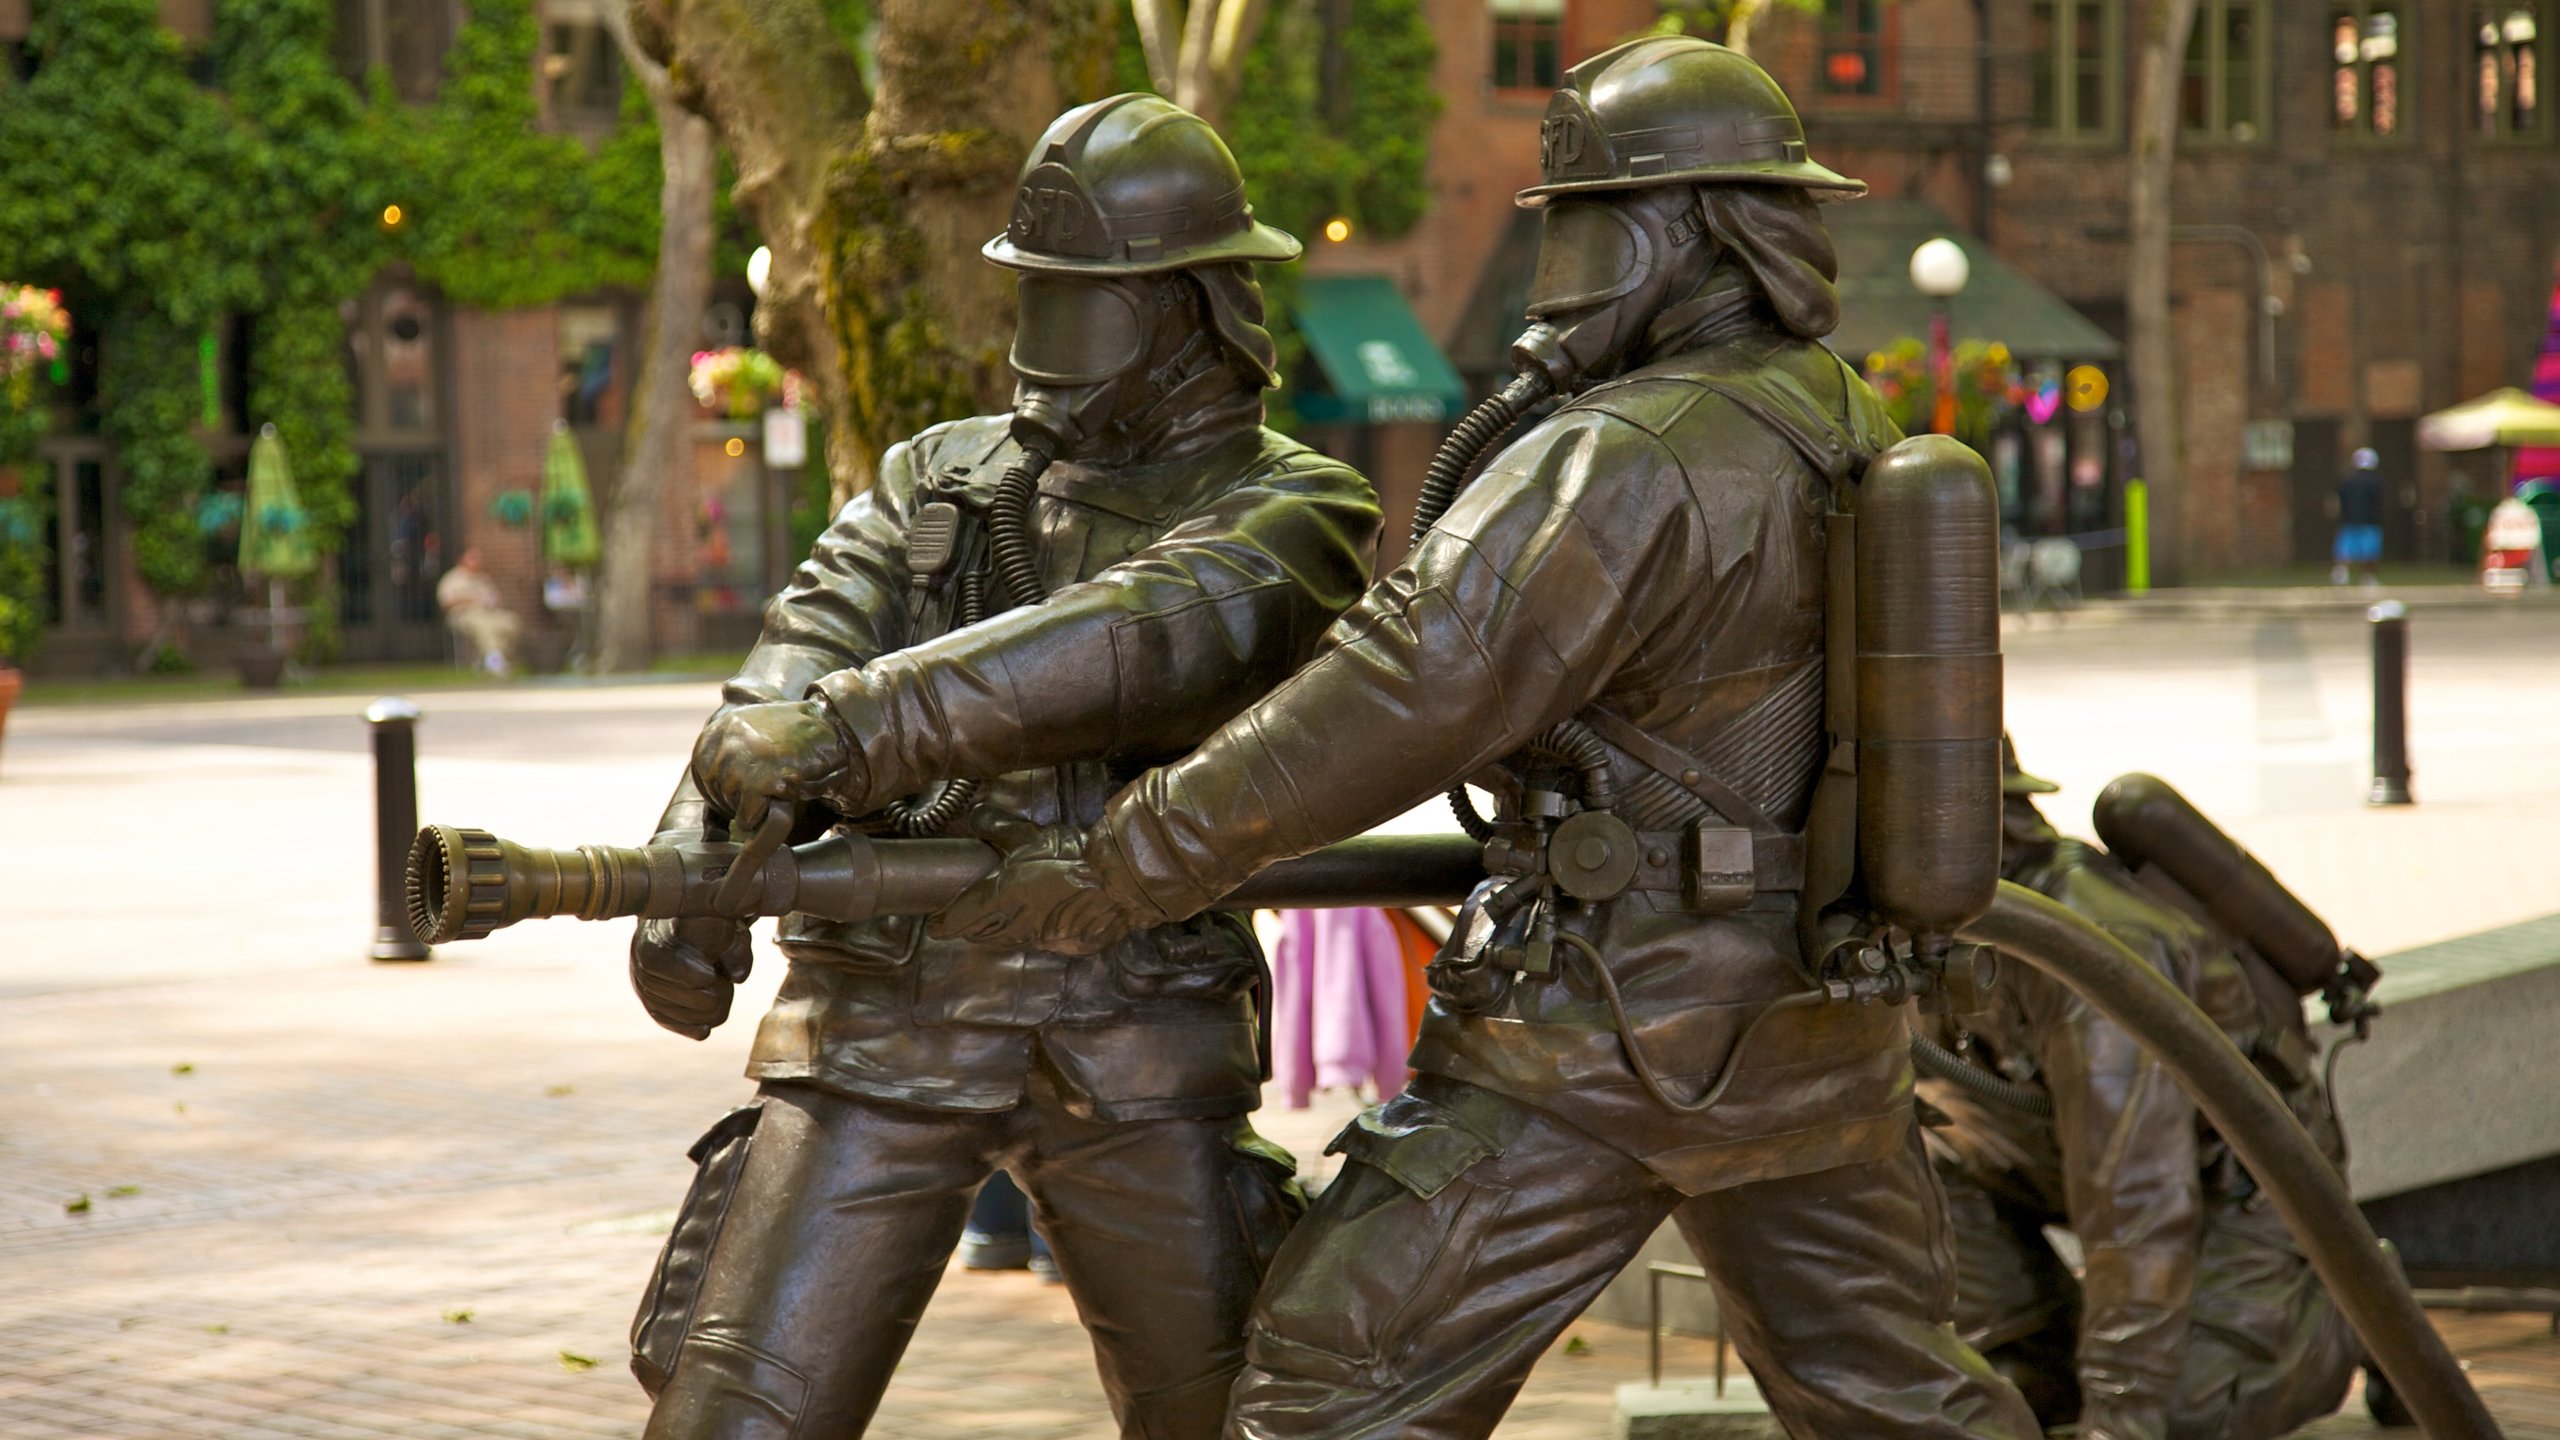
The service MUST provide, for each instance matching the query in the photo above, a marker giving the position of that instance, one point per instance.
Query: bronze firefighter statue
(1722, 647)
(1619, 630)
(1023, 613)
(2195, 1316)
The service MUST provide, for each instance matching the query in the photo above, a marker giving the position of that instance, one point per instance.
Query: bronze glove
(685, 971)
(1043, 896)
(753, 755)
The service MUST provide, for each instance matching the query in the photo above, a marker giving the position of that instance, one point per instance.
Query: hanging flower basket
(33, 330)
(1987, 385)
(741, 383)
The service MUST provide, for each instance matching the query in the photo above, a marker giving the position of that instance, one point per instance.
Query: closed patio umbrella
(568, 511)
(275, 531)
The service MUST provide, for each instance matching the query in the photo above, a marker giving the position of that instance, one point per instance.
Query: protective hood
(1777, 234)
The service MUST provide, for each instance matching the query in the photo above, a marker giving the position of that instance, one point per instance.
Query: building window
(1857, 56)
(2224, 94)
(2076, 69)
(17, 58)
(405, 38)
(1528, 44)
(190, 20)
(393, 364)
(2510, 52)
(581, 73)
(2366, 68)
(590, 340)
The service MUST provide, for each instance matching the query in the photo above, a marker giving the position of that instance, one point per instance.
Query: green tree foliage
(148, 395)
(167, 187)
(507, 215)
(1312, 151)
(1355, 148)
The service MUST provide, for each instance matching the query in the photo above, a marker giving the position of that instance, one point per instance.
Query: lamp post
(1938, 270)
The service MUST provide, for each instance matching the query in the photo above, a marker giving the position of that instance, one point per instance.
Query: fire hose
(463, 884)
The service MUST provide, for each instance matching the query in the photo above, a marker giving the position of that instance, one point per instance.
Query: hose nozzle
(463, 884)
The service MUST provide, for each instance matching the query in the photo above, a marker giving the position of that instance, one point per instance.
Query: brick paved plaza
(251, 1186)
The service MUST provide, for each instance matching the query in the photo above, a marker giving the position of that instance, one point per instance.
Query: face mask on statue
(1094, 354)
(1606, 268)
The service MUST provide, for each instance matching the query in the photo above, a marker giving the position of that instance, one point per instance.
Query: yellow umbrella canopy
(2503, 417)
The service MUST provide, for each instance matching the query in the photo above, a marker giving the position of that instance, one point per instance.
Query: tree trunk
(875, 207)
(656, 449)
(1215, 37)
(2151, 354)
(1737, 25)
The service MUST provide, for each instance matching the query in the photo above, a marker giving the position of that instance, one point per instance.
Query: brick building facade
(2367, 202)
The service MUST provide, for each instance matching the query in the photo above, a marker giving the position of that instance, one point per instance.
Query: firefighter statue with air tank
(1652, 628)
(2193, 1315)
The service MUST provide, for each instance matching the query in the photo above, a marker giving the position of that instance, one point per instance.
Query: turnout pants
(1413, 1300)
(800, 1268)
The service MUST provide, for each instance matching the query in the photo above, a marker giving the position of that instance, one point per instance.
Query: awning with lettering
(1379, 367)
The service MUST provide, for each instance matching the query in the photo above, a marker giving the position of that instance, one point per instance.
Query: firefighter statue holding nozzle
(1675, 995)
(2195, 1315)
(1024, 611)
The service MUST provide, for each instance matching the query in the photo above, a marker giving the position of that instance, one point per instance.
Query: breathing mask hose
(1482, 426)
(920, 818)
(2261, 1129)
(1009, 521)
(1441, 483)
(1933, 1059)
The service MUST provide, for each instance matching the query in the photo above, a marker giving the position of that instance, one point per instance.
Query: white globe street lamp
(1938, 270)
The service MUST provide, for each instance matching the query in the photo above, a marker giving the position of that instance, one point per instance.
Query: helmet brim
(1828, 185)
(1261, 245)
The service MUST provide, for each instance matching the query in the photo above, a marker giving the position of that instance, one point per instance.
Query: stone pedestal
(1692, 1410)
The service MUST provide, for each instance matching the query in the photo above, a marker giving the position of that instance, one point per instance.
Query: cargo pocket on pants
(1269, 1202)
(666, 1309)
(1390, 1245)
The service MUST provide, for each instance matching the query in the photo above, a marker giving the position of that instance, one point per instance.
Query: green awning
(1379, 366)
(1879, 304)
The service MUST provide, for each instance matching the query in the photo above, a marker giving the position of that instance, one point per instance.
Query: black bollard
(2390, 621)
(395, 824)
